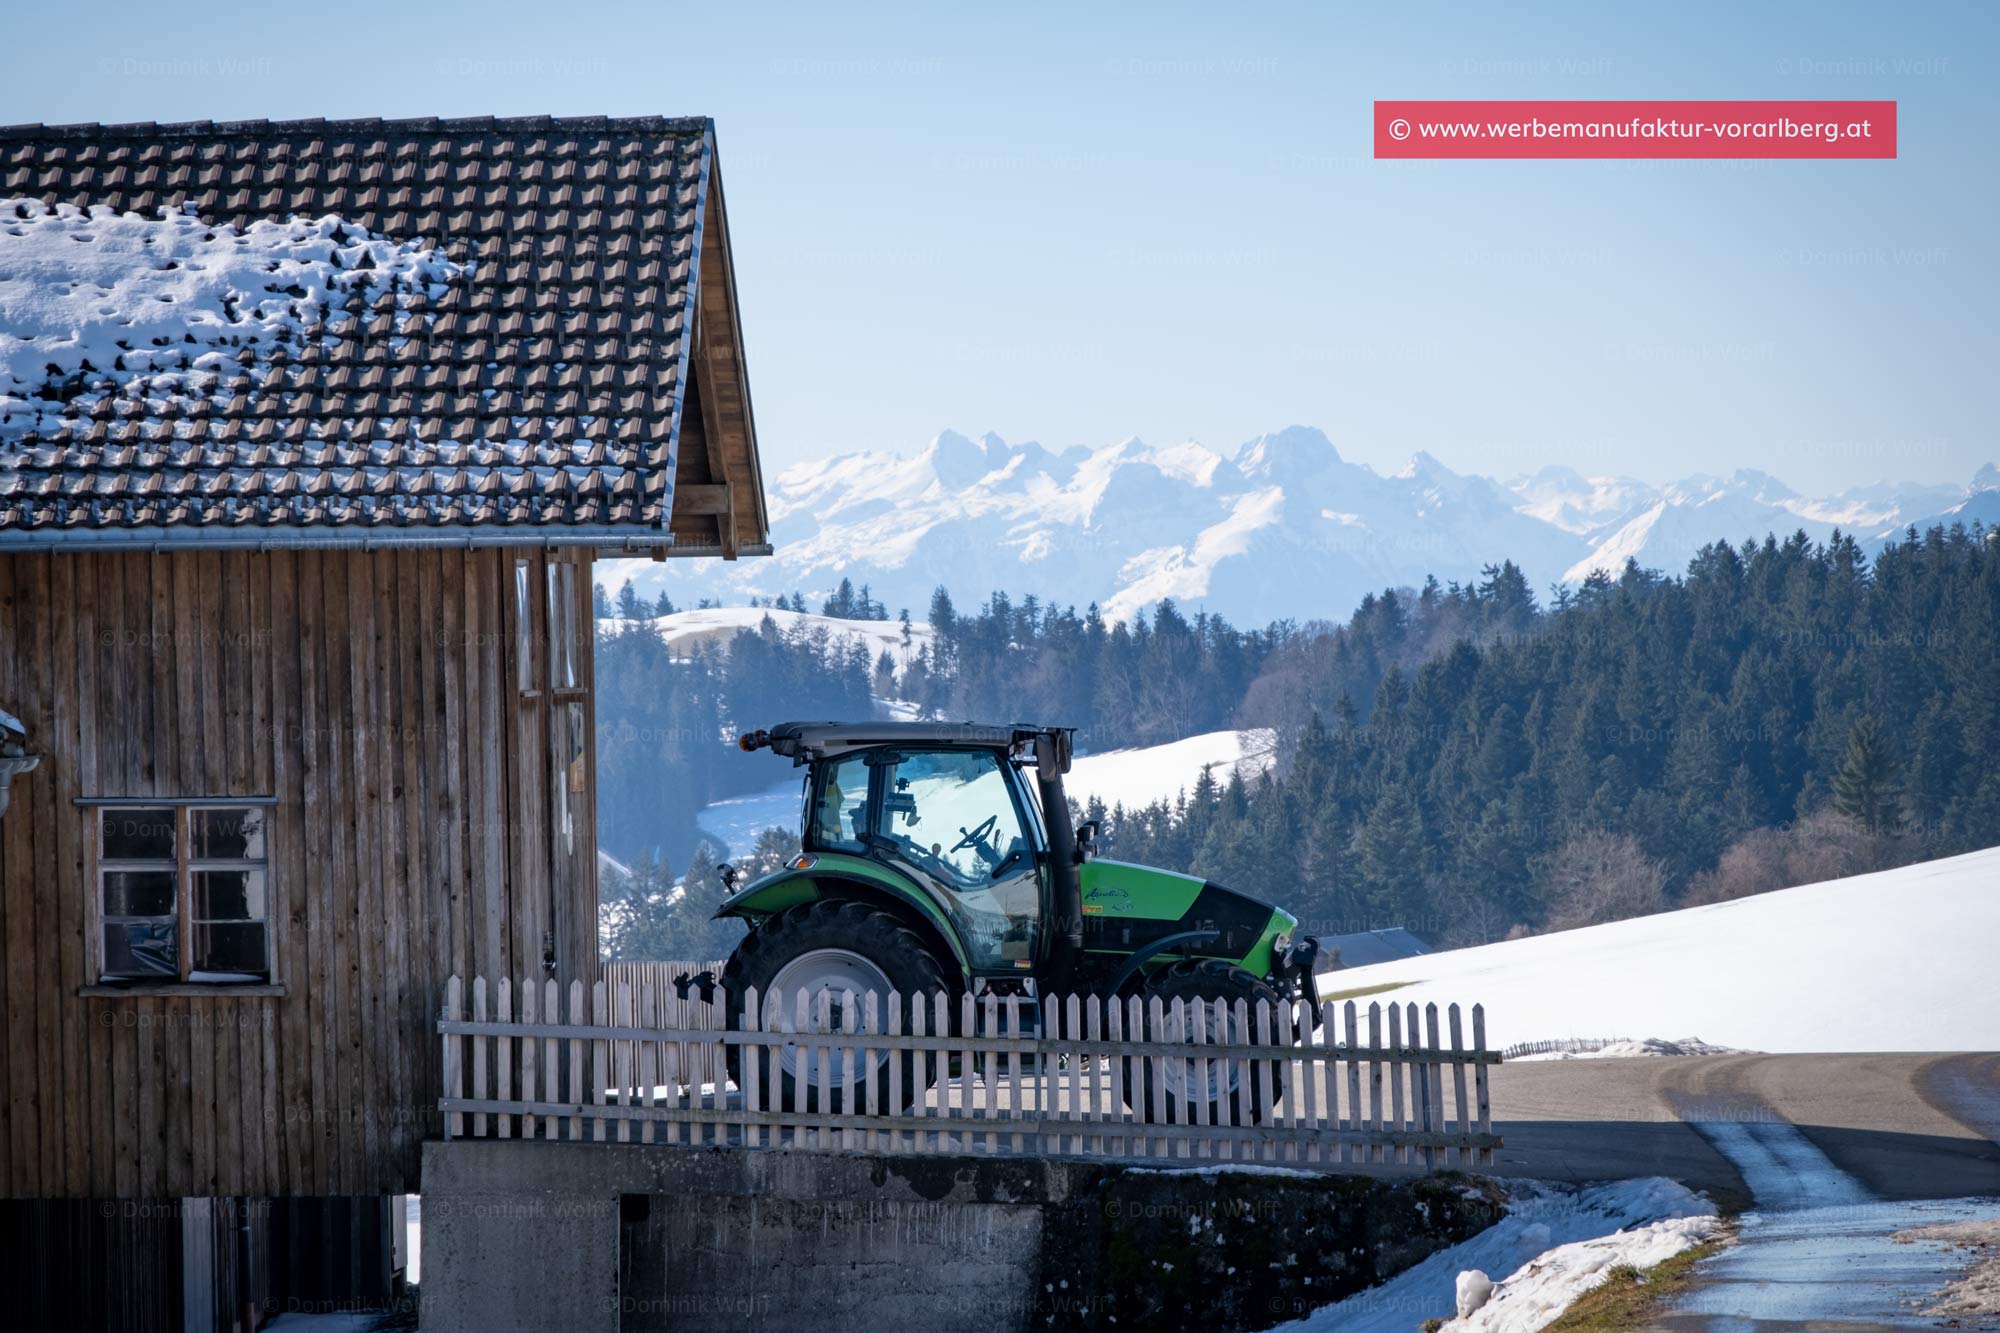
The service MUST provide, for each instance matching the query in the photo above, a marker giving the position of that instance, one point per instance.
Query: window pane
(142, 949)
(524, 630)
(134, 834)
(228, 834)
(840, 816)
(138, 893)
(228, 895)
(230, 952)
(562, 625)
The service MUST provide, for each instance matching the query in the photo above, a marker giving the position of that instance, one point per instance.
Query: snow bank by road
(1554, 1243)
(1901, 960)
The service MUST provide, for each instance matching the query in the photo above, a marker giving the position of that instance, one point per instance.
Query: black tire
(879, 937)
(1208, 980)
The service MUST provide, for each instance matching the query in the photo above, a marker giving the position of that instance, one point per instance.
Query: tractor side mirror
(730, 874)
(1086, 840)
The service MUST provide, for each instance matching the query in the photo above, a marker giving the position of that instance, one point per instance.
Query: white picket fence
(1386, 1085)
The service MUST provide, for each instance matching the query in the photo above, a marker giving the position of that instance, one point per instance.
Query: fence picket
(1351, 1017)
(479, 1056)
(920, 1140)
(1015, 1103)
(751, 1061)
(1375, 1152)
(503, 1057)
(871, 1020)
(551, 1069)
(621, 1053)
(646, 1055)
(454, 1072)
(600, 1055)
(969, 1082)
(577, 1018)
(1434, 1077)
(1266, 1072)
(1459, 1154)
(941, 1026)
(1420, 1095)
(1400, 1151)
(990, 1017)
(1479, 1080)
(528, 1062)
(1154, 1064)
(850, 1083)
(892, 1029)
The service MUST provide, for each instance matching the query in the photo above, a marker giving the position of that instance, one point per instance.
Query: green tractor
(941, 857)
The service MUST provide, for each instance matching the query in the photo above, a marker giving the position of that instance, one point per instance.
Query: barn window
(183, 893)
(564, 609)
(524, 630)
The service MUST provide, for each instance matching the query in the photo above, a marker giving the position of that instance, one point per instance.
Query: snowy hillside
(687, 630)
(1141, 776)
(1901, 960)
(1130, 523)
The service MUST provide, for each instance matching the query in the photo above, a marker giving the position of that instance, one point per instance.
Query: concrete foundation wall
(604, 1237)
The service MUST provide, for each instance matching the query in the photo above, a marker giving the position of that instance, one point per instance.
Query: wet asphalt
(1827, 1157)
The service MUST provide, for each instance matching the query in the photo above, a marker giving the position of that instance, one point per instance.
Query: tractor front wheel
(830, 950)
(1210, 1084)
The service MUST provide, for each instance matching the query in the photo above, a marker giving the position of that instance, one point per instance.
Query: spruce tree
(1868, 788)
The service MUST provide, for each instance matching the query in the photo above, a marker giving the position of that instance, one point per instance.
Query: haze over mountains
(1280, 527)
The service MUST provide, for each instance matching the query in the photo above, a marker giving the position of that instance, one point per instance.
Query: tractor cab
(952, 810)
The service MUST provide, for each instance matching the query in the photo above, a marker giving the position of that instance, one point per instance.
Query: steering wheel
(978, 836)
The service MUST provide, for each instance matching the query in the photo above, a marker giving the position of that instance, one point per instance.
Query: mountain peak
(1423, 463)
(1293, 451)
(1986, 479)
(955, 460)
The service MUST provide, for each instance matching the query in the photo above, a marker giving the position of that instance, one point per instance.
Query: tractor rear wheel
(1213, 1085)
(830, 949)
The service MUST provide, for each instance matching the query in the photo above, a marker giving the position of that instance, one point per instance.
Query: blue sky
(1078, 223)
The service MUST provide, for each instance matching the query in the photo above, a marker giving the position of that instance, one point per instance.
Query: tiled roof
(542, 391)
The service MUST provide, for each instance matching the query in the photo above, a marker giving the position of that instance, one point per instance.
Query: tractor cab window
(952, 814)
(840, 809)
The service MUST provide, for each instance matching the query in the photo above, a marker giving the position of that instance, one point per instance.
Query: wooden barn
(300, 487)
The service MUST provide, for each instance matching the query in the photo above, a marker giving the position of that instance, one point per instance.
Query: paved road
(1906, 1126)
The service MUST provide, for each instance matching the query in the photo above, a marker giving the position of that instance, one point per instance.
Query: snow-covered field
(1901, 960)
(1151, 773)
(688, 630)
(1554, 1243)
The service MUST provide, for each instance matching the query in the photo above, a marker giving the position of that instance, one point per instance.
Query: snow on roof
(157, 308)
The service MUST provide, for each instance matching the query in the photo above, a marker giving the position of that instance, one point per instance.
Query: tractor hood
(1127, 907)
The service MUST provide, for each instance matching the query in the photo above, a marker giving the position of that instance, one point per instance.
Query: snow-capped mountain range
(1280, 527)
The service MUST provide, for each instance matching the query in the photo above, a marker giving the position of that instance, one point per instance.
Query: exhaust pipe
(1068, 882)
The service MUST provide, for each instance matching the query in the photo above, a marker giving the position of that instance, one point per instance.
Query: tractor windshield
(957, 818)
(953, 815)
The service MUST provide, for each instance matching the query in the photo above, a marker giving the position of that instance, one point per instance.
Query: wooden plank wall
(374, 695)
